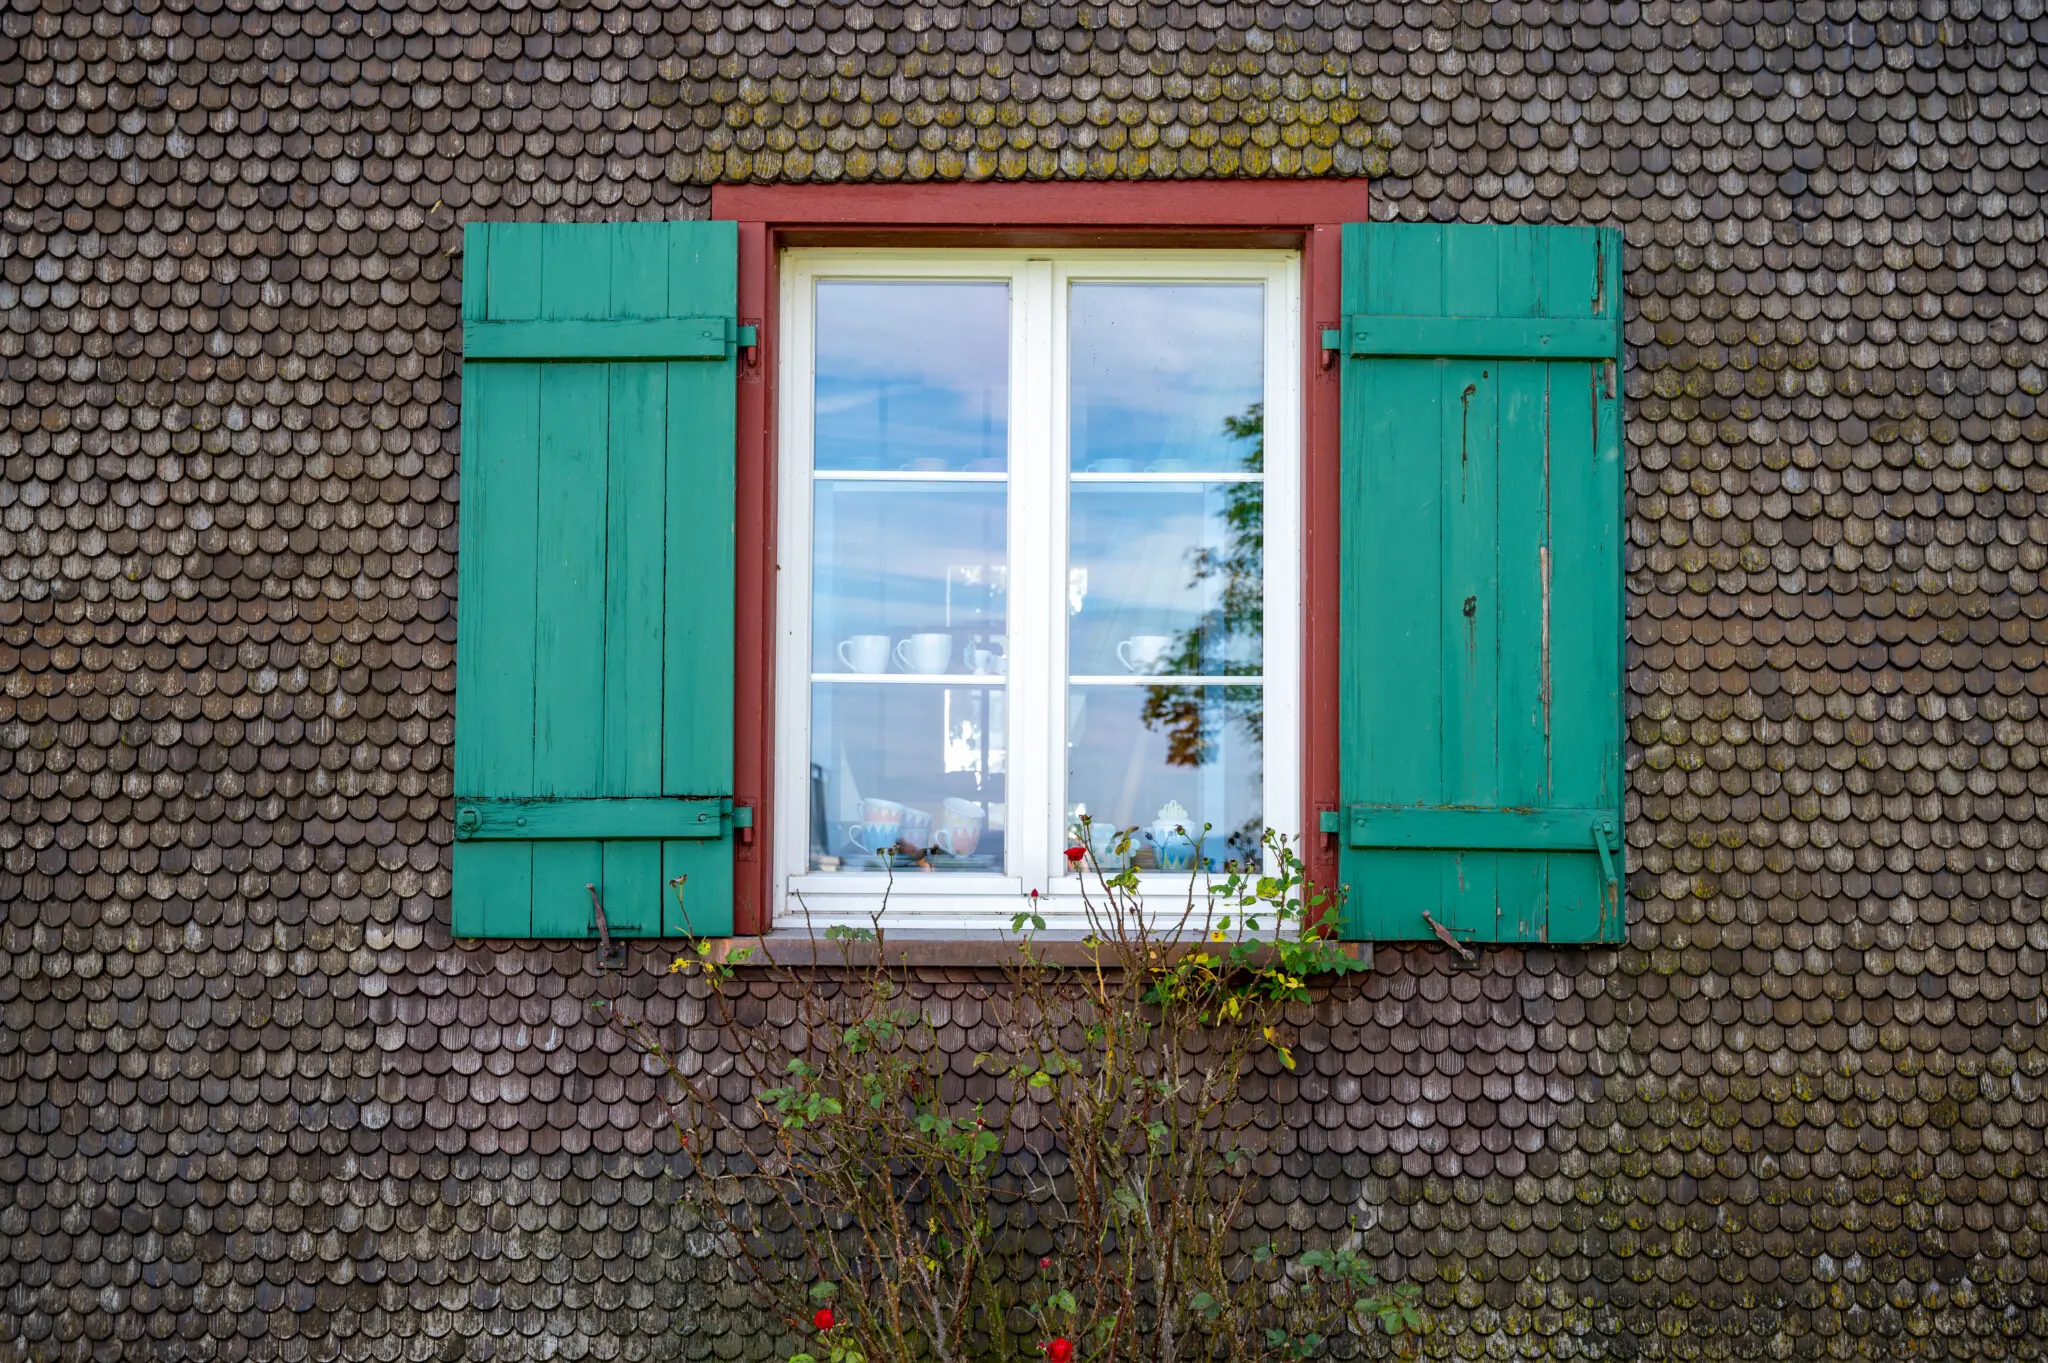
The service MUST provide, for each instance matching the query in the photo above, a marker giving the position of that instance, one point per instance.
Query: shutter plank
(1522, 881)
(1468, 454)
(635, 568)
(1392, 586)
(1469, 451)
(493, 882)
(697, 695)
(569, 599)
(1586, 606)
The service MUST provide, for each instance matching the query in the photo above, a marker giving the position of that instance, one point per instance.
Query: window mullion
(1035, 558)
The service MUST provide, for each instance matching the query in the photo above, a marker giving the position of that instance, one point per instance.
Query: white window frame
(1038, 459)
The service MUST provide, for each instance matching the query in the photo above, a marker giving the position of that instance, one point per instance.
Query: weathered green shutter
(594, 664)
(1481, 613)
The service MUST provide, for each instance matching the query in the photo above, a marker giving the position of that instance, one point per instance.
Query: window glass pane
(1158, 371)
(1166, 578)
(913, 376)
(1165, 573)
(912, 771)
(908, 577)
(1160, 757)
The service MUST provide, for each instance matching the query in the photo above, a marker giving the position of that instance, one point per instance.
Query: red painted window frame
(1303, 215)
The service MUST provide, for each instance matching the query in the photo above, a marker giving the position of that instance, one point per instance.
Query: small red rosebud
(823, 1318)
(1045, 1263)
(1059, 1351)
(1074, 854)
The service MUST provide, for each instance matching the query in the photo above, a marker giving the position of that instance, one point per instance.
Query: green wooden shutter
(1481, 762)
(594, 663)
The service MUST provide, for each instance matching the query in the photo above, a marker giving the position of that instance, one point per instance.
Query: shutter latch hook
(611, 955)
(1468, 958)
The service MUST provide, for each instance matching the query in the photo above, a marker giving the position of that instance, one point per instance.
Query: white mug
(925, 653)
(987, 658)
(865, 653)
(1143, 652)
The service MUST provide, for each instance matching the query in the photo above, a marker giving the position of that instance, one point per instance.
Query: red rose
(1074, 854)
(823, 1319)
(1059, 1351)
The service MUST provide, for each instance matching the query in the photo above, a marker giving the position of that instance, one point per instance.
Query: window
(1041, 554)
(1038, 560)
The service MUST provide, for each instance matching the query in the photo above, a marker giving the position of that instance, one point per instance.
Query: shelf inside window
(913, 678)
(1164, 679)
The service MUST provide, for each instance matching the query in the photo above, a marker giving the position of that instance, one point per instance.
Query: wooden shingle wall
(255, 1104)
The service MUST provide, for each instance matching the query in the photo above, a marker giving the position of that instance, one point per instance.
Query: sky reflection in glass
(913, 376)
(1155, 370)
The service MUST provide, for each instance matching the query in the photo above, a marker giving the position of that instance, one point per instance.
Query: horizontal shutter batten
(1476, 828)
(1483, 338)
(610, 819)
(665, 338)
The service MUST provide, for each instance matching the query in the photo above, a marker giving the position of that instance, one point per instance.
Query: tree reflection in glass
(1193, 717)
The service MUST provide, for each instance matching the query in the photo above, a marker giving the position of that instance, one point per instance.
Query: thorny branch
(1102, 1195)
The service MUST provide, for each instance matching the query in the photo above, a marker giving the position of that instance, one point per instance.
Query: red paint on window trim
(1307, 215)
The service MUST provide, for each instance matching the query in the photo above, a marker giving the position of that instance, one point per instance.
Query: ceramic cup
(925, 653)
(865, 653)
(914, 835)
(880, 823)
(1143, 652)
(1176, 851)
(957, 830)
(986, 659)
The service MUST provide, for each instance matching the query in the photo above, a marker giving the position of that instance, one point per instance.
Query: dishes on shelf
(925, 654)
(889, 826)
